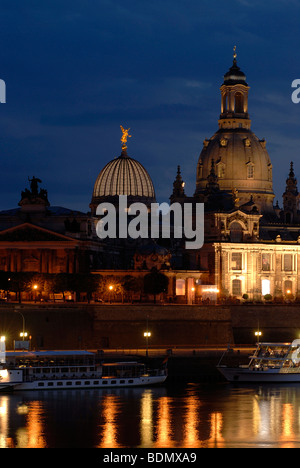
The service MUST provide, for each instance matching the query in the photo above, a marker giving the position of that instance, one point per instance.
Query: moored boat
(271, 362)
(72, 369)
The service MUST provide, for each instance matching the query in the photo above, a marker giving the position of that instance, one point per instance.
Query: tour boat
(271, 362)
(72, 369)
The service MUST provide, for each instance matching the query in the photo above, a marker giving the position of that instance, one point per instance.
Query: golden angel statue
(125, 136)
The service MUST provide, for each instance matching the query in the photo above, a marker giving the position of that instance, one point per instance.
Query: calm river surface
(180, 416)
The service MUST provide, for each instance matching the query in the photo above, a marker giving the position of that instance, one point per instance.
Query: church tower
(240, 159)
(291, 198)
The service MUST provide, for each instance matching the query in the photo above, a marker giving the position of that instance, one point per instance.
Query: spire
(212, 179)
(178, 186)
(234, 55)
(291, 197)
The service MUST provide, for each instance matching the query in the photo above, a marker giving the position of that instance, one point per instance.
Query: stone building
(252, 248)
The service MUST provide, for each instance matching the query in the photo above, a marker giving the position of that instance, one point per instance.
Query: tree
(155, 283)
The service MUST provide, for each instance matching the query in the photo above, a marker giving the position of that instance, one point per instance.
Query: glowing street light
(111, 288)
(258, 334)
(147, 335)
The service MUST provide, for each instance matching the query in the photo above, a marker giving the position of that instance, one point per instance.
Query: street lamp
(23, 335)
(35, 288)
(111, 288)
(258, 334)
(147, 335)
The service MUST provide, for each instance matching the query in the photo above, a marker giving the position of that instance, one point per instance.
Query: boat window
(96, 382)
(41, 384)
(130, 381)
(69, 383)
(87, 382)
(78, 383)
(113, 382)
(122, 381)
(104, 382)
(59, 384)
(50, 384)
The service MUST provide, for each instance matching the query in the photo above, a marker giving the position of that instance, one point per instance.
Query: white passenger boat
(72, 369)
(271, 362)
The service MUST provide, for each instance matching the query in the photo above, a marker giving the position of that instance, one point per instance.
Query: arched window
(221, 170)
(236, 287)
(288, 287)
(236, 232)
(250, 171)
(238, 103)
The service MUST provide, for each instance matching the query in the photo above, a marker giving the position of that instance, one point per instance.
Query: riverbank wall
(114, 326)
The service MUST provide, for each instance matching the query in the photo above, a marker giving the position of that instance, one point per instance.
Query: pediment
(31, 233)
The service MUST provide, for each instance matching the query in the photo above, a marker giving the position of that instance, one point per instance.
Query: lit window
(180, 287)
(265, 287)
(266, 262)
(236, 261)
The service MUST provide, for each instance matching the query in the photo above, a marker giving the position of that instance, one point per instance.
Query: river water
(171, 416)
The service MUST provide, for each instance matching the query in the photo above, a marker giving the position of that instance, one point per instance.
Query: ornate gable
(30, 233)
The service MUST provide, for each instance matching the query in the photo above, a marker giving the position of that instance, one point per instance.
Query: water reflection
(163, 417)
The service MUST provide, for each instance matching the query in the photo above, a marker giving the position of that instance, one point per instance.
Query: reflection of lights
(191, 433)
(109, 411)
(3, 409)
(164, 426)
(22, 409)
(146, 419)
(4, 417)
(216, 438)
(287, 435)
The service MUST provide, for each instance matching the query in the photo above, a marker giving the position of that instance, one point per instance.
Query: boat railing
(69, 376)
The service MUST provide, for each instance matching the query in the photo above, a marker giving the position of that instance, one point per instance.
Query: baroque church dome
(123, 176)
(240, 158)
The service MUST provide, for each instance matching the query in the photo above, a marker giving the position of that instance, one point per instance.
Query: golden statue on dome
(125, 136)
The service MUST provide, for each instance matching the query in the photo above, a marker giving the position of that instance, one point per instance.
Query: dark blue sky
(77, 70)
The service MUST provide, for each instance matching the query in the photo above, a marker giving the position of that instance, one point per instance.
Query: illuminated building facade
(252, 248)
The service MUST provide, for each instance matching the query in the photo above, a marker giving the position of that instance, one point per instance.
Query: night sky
(77, 70)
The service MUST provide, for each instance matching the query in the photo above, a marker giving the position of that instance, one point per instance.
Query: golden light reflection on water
(158, 418)
(109, 426)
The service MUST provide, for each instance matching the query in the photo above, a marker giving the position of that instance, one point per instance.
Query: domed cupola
(123, 176)
(240, 159)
